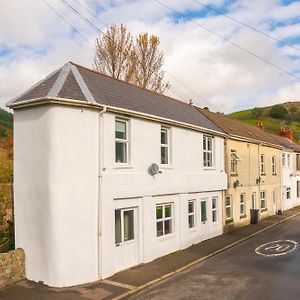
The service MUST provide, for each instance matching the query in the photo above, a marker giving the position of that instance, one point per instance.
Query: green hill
(290, 119)
(6, 124)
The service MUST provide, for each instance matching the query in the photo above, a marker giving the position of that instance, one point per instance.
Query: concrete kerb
(141, 287)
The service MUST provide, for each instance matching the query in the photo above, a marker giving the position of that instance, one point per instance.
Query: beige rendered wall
(248, 171)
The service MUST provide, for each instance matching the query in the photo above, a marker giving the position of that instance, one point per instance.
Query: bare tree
(113, 49)
(138, 62)
(147, 60)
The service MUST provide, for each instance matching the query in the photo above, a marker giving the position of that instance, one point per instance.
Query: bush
(278, 112)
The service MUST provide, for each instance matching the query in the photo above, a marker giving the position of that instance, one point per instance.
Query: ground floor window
(263, 200)
(191, 213)
(203, 211)
(242, 205)
(298, 189)
(288, 193)
(228, 207)
(164, 219)
(214, 209)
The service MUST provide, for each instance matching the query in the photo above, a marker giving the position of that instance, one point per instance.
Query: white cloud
(227, 77)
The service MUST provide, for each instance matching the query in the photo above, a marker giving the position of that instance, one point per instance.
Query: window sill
(234, 175)
(263, 209)
(122, 166)
(209, 168)
(229, 220)
(274, 174)
(264, 174)
(165, 237)
(243, 216)
(193, 229)
(165, 167)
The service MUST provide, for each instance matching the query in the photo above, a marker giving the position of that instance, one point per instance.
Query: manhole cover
(276, 248)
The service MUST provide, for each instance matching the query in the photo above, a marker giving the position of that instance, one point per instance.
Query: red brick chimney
(286, 132)
(260, 125)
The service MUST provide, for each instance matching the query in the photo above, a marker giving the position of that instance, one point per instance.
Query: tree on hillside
(137, 61)
(256, 112)
(278, 112)
(292, 111)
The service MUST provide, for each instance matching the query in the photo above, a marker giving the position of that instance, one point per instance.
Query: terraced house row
(109, 175)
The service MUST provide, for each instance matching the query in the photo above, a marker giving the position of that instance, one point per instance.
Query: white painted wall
(183, 180)
(59, 167)
(290, 176)
(56, 193)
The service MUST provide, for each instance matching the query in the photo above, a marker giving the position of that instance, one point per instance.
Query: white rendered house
(290, 166)
(89, 198)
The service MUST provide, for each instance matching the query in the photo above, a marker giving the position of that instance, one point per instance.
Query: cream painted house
(253, 167)
(109, 176)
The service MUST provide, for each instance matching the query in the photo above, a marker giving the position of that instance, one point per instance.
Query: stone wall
(12, 267)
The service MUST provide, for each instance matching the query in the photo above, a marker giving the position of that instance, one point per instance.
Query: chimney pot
(260, 125)
(286, 132)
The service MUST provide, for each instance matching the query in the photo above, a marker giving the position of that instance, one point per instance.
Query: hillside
(6, 125)
(290, 119)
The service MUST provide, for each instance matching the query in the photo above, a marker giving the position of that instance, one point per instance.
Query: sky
(209, 58)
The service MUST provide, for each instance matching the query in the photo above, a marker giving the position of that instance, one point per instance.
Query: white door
(274, 202)
(126, 238)
(204, 220)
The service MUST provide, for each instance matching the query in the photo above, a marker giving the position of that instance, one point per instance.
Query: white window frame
(164, 218)
(273, 165)
(167, 130)
(288, 193)
(242, 205)
(262, 165)
(263, 197)
(214, 211)
(123, 141)
(228, 206)
(208, 164)
(192, 214)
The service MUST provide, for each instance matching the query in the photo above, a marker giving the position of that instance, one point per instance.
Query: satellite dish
(154, 169)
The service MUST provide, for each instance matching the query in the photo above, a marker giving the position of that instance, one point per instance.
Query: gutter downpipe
(259, 176)
(100, 198)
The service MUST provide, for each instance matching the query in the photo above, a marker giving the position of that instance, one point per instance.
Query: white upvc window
(164, 219)
(121, 141)
(288, 193)
(283, 159)
(274, 165)
(288, 159)
(242, 205)
(263, 199)
(262, 164)
(164, 146)
(191, 213)
(233, 162)
(228, 207)
(208, 151)
(214, 209)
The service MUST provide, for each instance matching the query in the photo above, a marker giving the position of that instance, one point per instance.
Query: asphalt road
(239, 272)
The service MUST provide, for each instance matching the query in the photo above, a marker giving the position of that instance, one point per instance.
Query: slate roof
(75, 82)
(234, 127)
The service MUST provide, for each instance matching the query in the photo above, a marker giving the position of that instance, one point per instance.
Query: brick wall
(12, 267)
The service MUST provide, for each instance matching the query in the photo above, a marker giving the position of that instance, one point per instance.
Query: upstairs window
(208, 154)
(164, 146)
(298, 162)
(233, 163)
(262, 165)
(274, 165)
(288, 158)
(283, 159)
(121, 141)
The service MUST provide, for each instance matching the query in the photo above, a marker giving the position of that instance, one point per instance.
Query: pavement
(249, 270)
(130, 282)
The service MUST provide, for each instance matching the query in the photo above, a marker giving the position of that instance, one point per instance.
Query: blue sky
(34, 41)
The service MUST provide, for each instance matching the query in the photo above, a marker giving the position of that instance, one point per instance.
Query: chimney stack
(286, 132)
(260, 125)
